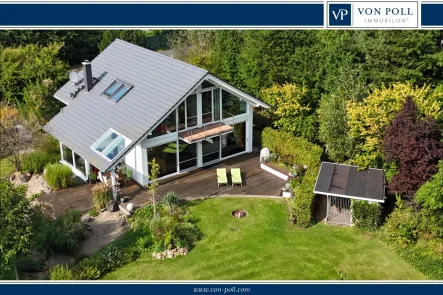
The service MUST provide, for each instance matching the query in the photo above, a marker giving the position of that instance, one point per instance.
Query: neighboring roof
(348, 182)
(159, 84)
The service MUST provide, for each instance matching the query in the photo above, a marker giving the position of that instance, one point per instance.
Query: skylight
(117, 90)
(110, 144)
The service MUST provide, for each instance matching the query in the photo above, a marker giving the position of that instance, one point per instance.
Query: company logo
(375, 14)
(340, 14)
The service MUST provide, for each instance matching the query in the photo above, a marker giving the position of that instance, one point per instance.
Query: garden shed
(341, 183)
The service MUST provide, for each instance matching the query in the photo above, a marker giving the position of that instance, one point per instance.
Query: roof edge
(257, 102)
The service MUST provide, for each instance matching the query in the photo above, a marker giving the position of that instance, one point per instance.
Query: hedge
(297, 150)
(366, 215)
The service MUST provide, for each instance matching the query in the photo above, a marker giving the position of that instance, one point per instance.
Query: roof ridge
(159, 54)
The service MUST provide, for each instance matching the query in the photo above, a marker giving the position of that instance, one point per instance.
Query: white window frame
(111, 144)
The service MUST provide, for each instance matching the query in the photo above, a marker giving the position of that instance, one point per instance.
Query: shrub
(171, 199)
(141, 219)
(173, 231)
(93, 212)
(111, 258)
(296, 150)
(401, 228)
(35, 162)
(58, 176)
(62, 235)
(430, 265)
(87, 269)
(60, 272)
(366, 215)
(102, 194)
(30, 264)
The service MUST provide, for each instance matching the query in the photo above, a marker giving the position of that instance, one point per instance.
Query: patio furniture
(221, 176)
(236, 176)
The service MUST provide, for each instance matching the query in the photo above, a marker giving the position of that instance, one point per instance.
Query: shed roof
(348, 182)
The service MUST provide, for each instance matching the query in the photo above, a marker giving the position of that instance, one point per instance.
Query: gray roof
(349, 182)
(160, 82)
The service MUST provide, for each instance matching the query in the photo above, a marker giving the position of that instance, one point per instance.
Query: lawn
(264, 246)
(6, 168)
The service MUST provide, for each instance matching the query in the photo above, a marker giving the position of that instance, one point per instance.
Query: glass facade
(232, 105)
(234, 142)
(211, 149)
(166, 156)
(207, 106)
(167, 126)
(178, 155)
(187, 155)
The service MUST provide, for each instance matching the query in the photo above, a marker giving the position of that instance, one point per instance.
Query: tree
(17, 135)
(291, 109)
(414, 145)
(15, 222)
(334, 129)
(137, 37)
(28, 65)
(224, 55)
(193, 46)
(430, 194)
(369, 118)
(401, 56)
(152, 187)
(77, 45)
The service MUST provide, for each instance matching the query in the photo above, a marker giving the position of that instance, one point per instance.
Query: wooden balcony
(201, 133)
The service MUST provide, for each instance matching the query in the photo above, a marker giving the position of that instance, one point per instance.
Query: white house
(132, 105)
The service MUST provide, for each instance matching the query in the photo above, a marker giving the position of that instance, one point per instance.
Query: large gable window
(117, 90)
(110, 144)
(232, 105)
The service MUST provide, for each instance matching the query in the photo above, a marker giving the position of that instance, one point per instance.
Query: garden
(265, 246)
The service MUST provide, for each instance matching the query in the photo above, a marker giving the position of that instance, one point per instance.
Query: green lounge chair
(236, 176)
(221, 176)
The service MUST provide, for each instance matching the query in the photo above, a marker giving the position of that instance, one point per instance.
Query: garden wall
(297, 150)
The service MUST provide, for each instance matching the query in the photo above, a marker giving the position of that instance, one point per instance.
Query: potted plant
(92, 178)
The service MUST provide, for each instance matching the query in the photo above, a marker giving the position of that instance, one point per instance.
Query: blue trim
(142, 14)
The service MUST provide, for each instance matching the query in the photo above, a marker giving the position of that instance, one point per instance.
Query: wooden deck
(203, 182)
(195, 184)
(78, 198)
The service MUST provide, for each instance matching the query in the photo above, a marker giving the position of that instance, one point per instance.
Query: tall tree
(291, 109)
(77, 45)
(30, 64)
(17, 135)
(15, 222)
(402, 56)
(334, 129)
(415, 145)
(369, 118)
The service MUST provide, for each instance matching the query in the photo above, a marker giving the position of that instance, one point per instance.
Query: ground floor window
(187, 155)
(234, 142)
(211, 149)
(80, 164)
(67, 155)
(166, 156)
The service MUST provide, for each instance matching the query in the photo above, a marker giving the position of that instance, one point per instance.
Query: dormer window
(117, 90)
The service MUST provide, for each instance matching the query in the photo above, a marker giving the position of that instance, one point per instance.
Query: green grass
(264, 246)
(6, 168)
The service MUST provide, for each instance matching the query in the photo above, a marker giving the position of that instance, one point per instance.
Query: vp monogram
(340, 14)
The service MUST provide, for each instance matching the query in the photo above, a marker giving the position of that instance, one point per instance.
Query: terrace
(194, 184)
